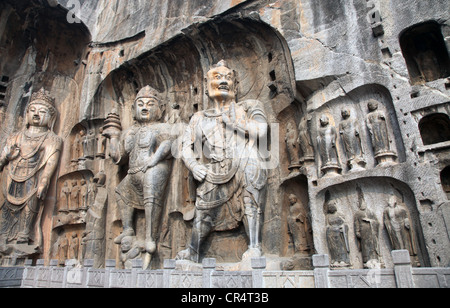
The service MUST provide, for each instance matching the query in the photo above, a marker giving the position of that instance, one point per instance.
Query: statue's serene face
(221, 84)
(147, 110)
(38, 115)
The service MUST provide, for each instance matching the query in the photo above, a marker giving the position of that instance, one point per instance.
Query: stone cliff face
(302, 59)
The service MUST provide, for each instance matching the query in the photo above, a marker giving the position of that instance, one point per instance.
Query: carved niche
(357, 145)
(178, 74)
(369, 218)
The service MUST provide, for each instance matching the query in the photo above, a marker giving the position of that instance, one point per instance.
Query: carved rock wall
(301, 58)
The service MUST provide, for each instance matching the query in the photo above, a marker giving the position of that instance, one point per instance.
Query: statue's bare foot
(252, 253)
(188, 255)
(150, 247)
(184, 255)
(125, 233)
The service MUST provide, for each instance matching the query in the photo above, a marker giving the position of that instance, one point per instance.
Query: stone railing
(403, 275)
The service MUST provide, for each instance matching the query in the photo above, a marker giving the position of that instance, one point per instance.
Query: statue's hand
(151, 162)
(14, 152)
(200, 172)
(42, 190)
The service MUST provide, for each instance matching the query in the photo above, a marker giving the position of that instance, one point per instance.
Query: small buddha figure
(299, 226)
(398, 225)
(377, 124)
(367, 230)
(293, 148)
(305, 141)
(350, 132)
(327, 146)
(337, 237)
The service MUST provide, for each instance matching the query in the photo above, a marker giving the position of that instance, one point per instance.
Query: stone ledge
(402, 276)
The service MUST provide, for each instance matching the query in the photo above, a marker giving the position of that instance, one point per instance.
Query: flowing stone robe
(299, 227)
(350, 132)
(94, 237)
(367, 228)
(235, 168)
(378, 128)
(327, 147)
(139, 143)
(22, 177)
(337, 238)
(400, 230)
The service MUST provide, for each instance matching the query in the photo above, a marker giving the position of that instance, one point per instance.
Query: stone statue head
(290, 127)
(362, 206)
(147, 105)
(392, 202)
(345, 113)
(293, 199)
(372, 105)
(221, 82)
(41, 110)
(331, 207)
(324, 120)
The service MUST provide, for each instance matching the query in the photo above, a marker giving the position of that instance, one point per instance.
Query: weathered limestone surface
(302, 59)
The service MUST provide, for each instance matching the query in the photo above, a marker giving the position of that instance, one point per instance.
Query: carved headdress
(149, 92)
(43, 97)
(221, 63)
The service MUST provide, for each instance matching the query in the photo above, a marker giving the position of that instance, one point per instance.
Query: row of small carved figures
(77, 195)
(350, 133)
(396, 220)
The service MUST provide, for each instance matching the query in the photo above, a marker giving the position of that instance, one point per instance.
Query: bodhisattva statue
(74, 204)
(293, 148)
(305, 141)
(378, 128)
(74, 247)
(337, 237)
(299, 226)
(399, 228)
(367, 230)
(220, 149)
(94, 237)
(63, 250)
(327, 145)
(147, 145)
(65, 193)
(350, 132)
(28, 161)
